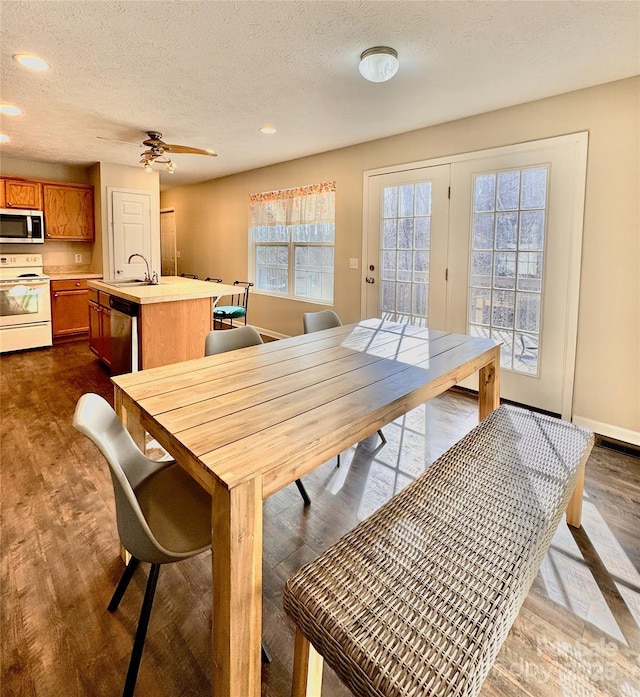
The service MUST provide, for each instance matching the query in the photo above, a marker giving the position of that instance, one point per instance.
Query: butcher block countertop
(170, 289)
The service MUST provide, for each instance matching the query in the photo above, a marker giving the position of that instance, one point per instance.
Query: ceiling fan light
(171, 168)
(379, 64)
(147, 167)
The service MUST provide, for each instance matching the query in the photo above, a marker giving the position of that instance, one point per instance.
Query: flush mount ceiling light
(379, 64)
(31, 62)
(268, 130)
(4, 138)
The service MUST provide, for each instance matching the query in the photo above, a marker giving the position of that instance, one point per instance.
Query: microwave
(21, 226)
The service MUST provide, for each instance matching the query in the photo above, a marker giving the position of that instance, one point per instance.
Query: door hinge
(449, 193)
(446, 274)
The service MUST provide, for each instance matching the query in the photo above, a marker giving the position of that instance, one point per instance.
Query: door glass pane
(404, 256)
(507, 255)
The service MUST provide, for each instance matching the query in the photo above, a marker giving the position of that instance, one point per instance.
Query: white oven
(25, 303)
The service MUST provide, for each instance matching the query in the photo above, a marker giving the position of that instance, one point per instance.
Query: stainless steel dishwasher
(124, 335)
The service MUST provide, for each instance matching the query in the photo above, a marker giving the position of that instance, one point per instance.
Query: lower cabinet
(100, 325)
(69, 310)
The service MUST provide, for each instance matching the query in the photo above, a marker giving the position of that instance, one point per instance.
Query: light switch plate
(353, 263)
(78, 258)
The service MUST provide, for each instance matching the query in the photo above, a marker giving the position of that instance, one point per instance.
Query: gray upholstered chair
(163, 515)
(230, 340)
(326, 319)
(317, 321)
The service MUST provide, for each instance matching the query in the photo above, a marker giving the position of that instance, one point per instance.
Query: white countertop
(170, 289)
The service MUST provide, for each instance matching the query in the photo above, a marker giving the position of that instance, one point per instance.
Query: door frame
(579, 144)
(175, 240)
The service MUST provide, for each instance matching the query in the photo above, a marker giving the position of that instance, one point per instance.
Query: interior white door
(405, 250)
(131, 233)
(514, 253)
(168, 242)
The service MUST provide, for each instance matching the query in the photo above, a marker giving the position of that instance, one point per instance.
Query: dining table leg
(237, 589)
(489, 386)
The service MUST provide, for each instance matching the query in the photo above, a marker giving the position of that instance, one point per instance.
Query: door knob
(369, 279)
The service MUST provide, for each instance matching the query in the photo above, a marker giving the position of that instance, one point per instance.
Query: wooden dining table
(247, 423)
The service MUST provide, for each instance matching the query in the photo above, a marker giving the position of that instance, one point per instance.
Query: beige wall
(10, 167)
(105, 176)
(211, 221)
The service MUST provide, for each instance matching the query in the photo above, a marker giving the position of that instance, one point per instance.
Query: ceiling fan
(158, 149)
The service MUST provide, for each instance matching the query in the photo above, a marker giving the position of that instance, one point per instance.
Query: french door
(406, 258)
(486, 244)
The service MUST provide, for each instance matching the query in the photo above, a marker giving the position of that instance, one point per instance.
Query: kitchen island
(173, 317)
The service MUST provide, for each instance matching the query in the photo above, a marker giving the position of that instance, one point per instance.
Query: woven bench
(417, 599)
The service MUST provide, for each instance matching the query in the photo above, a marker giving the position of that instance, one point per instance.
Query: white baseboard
(624, 435)
(265, 332)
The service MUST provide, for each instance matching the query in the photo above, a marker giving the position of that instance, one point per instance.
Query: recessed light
(4, 138)
(9, 110)
(268, 130)
(31, 62)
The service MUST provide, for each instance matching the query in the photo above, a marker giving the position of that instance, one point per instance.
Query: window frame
(292, 244)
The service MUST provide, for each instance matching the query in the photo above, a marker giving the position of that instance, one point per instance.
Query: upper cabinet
(19, 193)
(68, 208)
(68, 212)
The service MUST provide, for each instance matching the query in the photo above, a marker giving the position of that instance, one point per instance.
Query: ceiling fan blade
(114, 140)
(186, 150)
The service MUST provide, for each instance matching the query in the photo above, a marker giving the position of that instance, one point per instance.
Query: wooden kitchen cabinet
(68, 212)
(69, 310)
(21, 193)
(100, 325)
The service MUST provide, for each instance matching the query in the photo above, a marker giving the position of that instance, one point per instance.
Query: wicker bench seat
(417, 599)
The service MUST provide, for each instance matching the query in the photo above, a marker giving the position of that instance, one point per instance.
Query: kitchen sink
(132, 283)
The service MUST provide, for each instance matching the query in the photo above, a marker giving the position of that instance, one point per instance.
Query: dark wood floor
(576, 636)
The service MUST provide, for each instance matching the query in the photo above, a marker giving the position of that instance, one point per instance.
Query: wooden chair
(236, 309)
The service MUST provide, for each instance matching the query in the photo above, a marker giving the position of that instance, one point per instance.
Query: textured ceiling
(209, 74)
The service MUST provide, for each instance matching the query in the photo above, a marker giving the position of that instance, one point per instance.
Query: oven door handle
(24, 282)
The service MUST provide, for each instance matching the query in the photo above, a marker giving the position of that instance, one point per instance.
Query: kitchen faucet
(151, 280)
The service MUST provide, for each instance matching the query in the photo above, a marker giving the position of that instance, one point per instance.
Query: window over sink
(292, 240)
